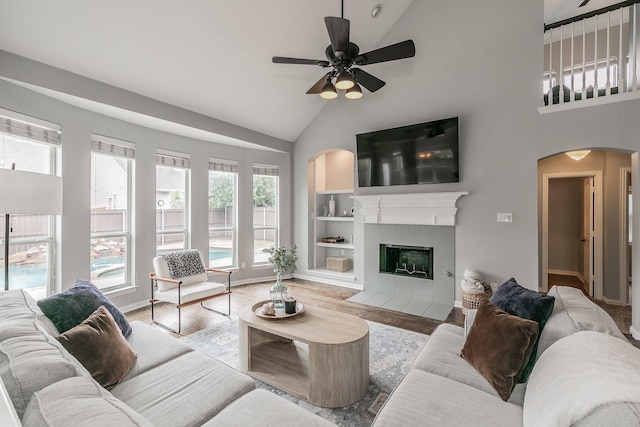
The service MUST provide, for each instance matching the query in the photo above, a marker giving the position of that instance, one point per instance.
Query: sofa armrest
(469, 319)
(8, 415)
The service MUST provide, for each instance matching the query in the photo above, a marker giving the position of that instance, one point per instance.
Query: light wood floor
(331, 297)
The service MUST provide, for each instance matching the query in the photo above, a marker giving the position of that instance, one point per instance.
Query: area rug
(391, 353)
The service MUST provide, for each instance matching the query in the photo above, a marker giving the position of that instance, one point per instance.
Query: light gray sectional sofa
(170, 384)
(577, 379)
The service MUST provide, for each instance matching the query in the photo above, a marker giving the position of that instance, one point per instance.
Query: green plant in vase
(283, 261)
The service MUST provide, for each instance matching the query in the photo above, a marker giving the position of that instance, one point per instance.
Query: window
(265, 211)
(112, 164)
(172, 201)
(31, 145)
(223, 188)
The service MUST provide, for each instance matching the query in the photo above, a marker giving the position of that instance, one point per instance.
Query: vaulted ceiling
(210, 57)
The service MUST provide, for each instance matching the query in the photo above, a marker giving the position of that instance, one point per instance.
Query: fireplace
(413, 261)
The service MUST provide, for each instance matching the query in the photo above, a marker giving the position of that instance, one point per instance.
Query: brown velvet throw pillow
(498, 346)
(99, 345)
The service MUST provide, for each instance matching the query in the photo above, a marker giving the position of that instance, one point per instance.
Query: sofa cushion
(612, 415)
(153, 347)
(441, 356)
(99, 345)
(184, 391)
(578, 374)
(18, 304)
(423, 398)
(528, 304)
(261, 408)
(69, 308)
(31, 359)
(574, 312)
(499, 345)
(79, 402)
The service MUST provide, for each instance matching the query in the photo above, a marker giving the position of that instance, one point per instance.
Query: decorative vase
(278, 294)
(332, 207)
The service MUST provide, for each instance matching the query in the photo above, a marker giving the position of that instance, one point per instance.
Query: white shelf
(335, 192)
(335, 218)
(335, 245)
(323, 271)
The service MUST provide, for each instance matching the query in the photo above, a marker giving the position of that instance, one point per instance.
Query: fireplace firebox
(413, 261)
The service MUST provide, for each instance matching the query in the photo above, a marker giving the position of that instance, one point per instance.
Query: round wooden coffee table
(321, 356)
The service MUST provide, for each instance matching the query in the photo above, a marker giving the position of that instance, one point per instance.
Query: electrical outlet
(505, 217)
(243, 265)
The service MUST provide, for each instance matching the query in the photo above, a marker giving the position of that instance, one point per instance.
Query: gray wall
(78, 125)
(481, 61)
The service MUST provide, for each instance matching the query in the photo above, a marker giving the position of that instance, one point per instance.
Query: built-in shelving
(332, 176)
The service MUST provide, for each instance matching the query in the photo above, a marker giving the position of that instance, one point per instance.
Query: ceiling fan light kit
(344, 80)
(355, 92)
(328, 91)
(343, 57)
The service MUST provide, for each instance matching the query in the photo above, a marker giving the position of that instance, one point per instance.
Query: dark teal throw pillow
(70, 308)
(528, 304)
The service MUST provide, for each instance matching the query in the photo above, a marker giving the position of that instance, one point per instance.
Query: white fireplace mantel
(412, 208)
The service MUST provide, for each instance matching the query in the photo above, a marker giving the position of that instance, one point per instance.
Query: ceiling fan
(343, 57)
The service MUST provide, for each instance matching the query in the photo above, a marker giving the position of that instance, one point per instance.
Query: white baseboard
(634, 333)
(567, 273)
(612, 301)
(328, 281)
(457, 304)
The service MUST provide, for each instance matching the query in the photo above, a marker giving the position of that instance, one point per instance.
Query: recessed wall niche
(331, 181)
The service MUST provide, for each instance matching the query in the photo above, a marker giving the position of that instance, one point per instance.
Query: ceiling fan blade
(317, 88)
(299, 61)
(338, 29)
(405, 49)
(371, 83)
(584, 3)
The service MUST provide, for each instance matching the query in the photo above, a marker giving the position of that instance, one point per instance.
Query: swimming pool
(35, 275)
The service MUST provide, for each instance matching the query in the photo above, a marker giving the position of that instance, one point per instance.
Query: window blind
(266, 170)
(223, 165)
(29, 127)
(113, 147)
(173, 160)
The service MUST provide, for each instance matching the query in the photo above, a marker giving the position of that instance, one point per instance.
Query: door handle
(583, 240)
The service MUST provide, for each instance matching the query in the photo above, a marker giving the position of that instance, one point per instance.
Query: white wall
(481, 61)
(77, 127)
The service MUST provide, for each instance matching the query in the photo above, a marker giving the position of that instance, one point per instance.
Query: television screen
(425, 153)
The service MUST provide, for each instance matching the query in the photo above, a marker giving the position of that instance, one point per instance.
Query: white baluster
(571, 90)
(621, 65)
(584, 59)
(561, 69)
(608, 86)
(634, 76)
(595, 59)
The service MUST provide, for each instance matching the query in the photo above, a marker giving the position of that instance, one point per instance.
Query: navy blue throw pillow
(528, 304)
(70, 308)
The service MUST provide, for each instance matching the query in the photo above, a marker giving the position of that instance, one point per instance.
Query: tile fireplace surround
(424, 219)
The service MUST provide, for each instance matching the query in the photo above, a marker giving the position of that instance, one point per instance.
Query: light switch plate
(505, 217)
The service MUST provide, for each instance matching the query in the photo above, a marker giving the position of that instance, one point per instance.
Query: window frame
(171, 159)
(122, 150)
(227, 167)
(269, 171)
(36, 131)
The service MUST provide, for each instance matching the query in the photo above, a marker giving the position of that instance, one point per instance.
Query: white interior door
(588, 233)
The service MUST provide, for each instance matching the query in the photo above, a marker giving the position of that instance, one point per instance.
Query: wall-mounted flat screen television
(425, 153)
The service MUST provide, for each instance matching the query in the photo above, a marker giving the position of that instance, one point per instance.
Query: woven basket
(472, 301)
